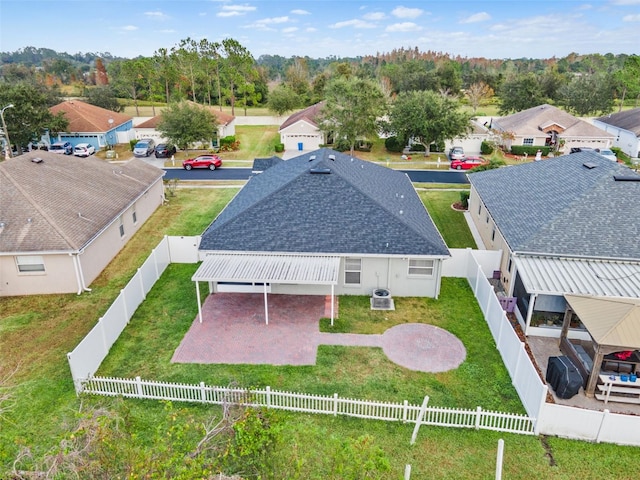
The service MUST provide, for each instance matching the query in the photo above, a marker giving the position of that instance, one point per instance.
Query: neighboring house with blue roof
(567, 225)
(626, 128)
(325, 219)
(91, 124)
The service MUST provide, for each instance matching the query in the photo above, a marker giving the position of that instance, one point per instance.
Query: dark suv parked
(165, 150)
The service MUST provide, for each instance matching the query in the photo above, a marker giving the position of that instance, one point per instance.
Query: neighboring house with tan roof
(226, 127)
(62, 219)
(625, 126)
(301, 130)
(91, 124)
(546, 125)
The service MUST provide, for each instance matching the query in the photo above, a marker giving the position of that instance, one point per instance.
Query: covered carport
(267, 270)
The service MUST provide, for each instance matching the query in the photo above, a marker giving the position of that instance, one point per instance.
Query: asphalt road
(418, 176)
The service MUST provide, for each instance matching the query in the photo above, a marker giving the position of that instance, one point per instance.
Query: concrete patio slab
(233, 331)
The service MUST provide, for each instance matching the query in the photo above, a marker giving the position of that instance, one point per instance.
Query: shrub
(132, 143)
(464, 199)
(486, 148)
(341, 145)
(436, 147)
(393, 145)
(229, 143)
(529, 150)
(279, 147)
(417, 147)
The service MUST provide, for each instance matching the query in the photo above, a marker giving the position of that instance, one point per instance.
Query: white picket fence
(478, 419)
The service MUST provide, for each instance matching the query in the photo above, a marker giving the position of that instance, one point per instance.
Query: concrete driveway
(233, 331)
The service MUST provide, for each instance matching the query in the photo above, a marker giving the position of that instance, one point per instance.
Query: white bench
(613, 389)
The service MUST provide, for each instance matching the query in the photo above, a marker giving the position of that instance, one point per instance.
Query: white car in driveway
(84, 150)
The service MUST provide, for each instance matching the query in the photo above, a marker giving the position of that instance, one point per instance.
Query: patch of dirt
(458, 207)
(548, 451)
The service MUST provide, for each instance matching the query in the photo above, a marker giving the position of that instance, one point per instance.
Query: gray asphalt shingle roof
(357, 208)
(559, 206)
(62, 203)
(627, 120)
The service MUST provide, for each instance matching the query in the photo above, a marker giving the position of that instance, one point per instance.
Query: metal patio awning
(581, 276)
(292, 269)
(267, 269)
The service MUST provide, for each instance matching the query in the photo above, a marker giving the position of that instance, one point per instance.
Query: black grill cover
(563, 377)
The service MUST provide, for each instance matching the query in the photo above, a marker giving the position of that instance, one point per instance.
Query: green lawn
(36, 332)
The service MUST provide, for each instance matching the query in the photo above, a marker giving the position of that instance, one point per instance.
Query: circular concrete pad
(424, 348)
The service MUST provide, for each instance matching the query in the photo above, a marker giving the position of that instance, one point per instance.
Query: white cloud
(156, 14)
(289, 29)
(202, 14)
(269, 21)
(353, 23)
(631, 18)
(405, 12)
(626, 2)
(373, 16)
(477, 17)
(403, 27)
(235, 10)
(129, 28)
(300, 12)
(311, 29)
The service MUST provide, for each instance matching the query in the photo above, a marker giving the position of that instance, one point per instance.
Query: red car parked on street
(468, 163)
(203, 161)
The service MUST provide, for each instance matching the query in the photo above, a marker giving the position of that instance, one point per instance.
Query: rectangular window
(352, 271)
(420, 266)
(134, 215)
(121, 227)
(487, 219)
(479, 209)
(509, 265)
(527, 141)
(30, 263)
(493, 233)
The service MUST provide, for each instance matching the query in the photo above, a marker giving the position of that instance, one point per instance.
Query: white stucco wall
(627, 141)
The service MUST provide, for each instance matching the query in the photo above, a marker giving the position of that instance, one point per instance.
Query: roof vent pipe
(332, 158)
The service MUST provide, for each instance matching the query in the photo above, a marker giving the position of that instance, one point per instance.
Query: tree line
(226, 74)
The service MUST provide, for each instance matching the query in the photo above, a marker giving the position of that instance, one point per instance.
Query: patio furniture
(614, 388)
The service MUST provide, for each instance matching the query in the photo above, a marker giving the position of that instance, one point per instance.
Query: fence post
(478, 276)
(478, 415)
(139, 387)
(543, 402)
(104, 337)
(404, 411)
(423, 410)
(605, 414)
(268, 389)
(203, 392)
(499, 459)
(335, 404)
(407, 472)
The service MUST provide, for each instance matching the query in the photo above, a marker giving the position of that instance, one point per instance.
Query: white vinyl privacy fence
(545, 418)
(85, 359)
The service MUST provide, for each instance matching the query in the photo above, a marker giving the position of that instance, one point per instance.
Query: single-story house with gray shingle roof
(62, 220)
(325, 220)
(546, 125)
(625, 126)
(567, 225)
(300, 131)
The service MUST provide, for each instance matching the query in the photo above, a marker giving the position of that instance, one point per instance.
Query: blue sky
(493, 29)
